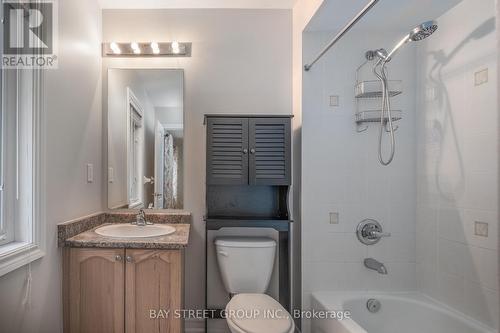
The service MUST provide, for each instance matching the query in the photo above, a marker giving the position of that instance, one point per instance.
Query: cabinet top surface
(253, 115)
(69, 229)
(178, 240)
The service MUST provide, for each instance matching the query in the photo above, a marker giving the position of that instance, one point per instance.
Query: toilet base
(234, 329)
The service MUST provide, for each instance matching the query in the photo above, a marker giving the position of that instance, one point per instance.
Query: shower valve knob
(369, 232)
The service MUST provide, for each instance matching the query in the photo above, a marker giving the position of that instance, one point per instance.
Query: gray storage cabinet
(248, 183)
(249, 150)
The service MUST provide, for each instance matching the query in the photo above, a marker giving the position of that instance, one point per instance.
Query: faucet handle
(379, 234)
(140, 218)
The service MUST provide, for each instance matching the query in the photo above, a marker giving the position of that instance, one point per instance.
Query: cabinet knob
(252, 151)
(245, 151)
(118, 257)
(128, 258)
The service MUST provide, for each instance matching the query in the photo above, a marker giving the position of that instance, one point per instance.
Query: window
(20, 225)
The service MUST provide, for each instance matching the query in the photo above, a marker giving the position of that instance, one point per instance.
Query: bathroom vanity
(123, 284)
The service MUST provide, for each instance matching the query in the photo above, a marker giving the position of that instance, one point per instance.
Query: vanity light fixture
(146, 49)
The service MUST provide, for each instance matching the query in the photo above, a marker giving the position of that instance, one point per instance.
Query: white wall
(241, 63)
(457, 175)
(73, 138)
(341, 172)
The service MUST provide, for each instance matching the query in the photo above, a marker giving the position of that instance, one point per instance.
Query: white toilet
(246, 265)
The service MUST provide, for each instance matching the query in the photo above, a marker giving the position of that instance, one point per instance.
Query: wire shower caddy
(368, 93)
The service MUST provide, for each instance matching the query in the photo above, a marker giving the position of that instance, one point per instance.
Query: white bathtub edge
(325, 299)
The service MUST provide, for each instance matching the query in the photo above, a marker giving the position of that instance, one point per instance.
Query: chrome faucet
(140, 218)
(375, 265)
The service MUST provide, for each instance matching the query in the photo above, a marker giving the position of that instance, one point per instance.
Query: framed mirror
(145, 138)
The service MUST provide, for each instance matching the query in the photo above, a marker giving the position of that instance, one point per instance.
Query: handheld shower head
(423, 31)
(419, 33)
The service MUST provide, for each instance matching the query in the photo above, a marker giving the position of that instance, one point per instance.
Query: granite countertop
(178, 240)
(80, 232)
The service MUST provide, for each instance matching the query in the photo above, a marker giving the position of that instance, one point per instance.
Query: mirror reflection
(145, 138)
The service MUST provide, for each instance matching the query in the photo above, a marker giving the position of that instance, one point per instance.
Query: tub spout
(375, 265)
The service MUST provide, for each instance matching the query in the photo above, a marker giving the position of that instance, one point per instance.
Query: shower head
(423, 31)
(419, 33)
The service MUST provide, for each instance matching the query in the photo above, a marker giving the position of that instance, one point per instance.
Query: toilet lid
(258, 313)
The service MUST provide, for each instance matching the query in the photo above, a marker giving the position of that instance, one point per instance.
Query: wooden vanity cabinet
(113, 290)
(153, 280)
(94, 293)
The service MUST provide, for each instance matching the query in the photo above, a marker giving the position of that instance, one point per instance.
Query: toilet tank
(245, 263)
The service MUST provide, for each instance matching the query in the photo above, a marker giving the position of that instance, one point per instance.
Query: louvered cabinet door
(227, 151)
(269, 148)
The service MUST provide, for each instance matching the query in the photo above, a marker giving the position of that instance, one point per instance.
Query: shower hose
(385, 109)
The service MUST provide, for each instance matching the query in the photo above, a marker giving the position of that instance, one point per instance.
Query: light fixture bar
(146, 49)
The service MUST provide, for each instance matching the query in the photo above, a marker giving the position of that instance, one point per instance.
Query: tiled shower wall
(443, 179)
(342, 177)
(457, 154)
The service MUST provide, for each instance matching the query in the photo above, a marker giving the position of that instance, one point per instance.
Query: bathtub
(399, 313)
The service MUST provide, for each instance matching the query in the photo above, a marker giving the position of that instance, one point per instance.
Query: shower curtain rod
(342, 32)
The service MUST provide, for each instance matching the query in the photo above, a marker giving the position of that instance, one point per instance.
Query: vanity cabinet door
(227, 151)
(153, 280)
(270, 151)
(94, 295)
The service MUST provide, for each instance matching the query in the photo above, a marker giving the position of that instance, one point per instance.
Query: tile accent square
(334, 218)
(481, 229)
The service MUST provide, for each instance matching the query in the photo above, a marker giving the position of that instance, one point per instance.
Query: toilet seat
(257, 313)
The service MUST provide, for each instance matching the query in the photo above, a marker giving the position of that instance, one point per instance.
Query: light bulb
(135, 48)
(175, 47)
(155, 47)
(115, 48)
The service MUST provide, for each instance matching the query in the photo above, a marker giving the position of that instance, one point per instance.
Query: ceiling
(179, 4)
(392, 15)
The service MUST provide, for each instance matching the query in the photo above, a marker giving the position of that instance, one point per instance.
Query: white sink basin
(127, 230)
